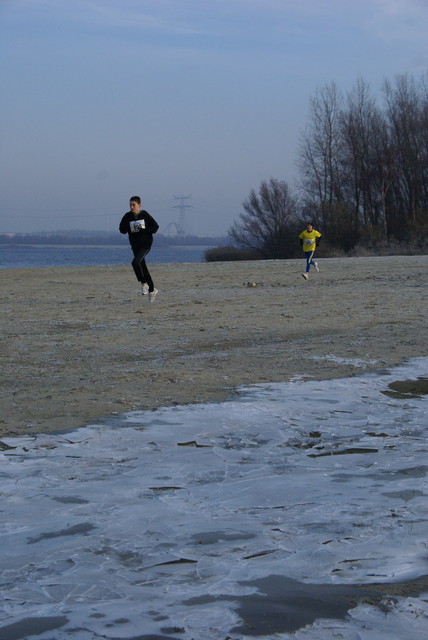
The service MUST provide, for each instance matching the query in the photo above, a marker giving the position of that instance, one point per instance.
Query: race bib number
(137, 225)
(309, 242)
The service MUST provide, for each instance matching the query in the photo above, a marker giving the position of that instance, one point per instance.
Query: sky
(190, 104)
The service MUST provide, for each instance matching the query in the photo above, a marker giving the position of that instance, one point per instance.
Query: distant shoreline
(58, 256)
(179, 247)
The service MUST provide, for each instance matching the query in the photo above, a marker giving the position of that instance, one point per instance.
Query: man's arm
(124, 225)
(151, 224)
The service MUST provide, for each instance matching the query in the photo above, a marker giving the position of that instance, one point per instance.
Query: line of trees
(363, 174)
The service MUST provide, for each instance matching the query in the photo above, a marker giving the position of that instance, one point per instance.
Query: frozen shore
(295, 510)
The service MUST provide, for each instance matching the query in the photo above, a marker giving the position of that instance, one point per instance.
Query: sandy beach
(80, 344)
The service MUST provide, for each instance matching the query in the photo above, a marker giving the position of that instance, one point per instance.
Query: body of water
(296, 510)
(29, 256)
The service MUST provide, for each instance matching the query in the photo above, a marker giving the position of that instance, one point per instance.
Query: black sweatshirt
(139, 238)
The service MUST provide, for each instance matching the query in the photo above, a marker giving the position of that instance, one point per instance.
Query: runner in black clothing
(140, 227)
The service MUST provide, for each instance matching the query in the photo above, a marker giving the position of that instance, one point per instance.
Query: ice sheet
(168, 523)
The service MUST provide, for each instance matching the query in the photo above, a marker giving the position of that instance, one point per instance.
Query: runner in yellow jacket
(309, 239)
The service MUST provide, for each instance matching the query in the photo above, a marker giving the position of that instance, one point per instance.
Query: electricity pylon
(181, 225)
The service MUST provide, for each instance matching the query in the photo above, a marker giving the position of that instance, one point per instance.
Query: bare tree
(320, 159)
(406, 110)
(366, 158)
(363, 173)
(268, 224)
(364, 168)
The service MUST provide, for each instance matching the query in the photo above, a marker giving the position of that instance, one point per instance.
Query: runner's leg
(309, 260)
(140, 268)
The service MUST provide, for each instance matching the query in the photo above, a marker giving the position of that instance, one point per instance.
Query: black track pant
(140, 267)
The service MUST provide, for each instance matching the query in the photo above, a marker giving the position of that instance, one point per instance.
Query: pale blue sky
(104, 99)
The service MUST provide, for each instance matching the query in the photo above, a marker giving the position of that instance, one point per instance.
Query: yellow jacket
(309, 239)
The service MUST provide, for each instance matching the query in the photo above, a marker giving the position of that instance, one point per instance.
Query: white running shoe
(152, 295)
(144, 289)
(316, 266)
(305, 276)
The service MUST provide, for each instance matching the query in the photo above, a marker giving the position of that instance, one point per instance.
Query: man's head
(135, 204)
(309, 226)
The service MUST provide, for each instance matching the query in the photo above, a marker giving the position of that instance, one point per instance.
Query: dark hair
(136, 199)
(309, 224)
